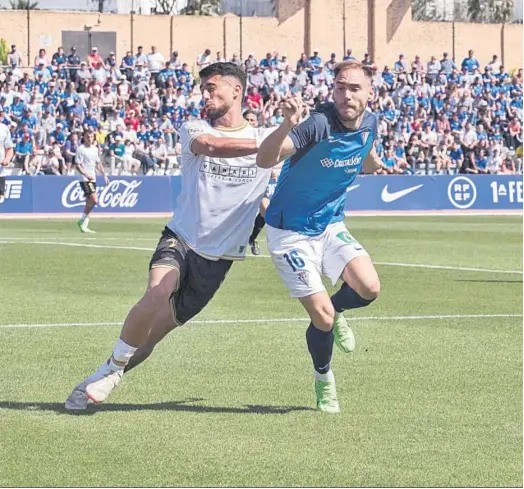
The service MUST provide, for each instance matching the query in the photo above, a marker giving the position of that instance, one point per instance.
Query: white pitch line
(447, 267)
(138, 248)
(80, 238)
(282, 320)
(84, 245)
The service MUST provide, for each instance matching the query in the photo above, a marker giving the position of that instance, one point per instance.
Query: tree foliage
(484, 11)
(23, 4)
(202, 7)
(495, 11)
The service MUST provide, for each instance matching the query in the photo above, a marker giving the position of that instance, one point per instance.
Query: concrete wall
(383, 27)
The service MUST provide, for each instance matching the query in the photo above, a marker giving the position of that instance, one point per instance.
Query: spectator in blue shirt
(90, 122)
(17, 108)
(390, 114)
(3, 117)
(60, 73)
(155, 131)
(73, 62)
(409, 99)
(455, 123)
(349, 55)
(456, 155)
(502, 76)
(401, 65)
(143, 134)
(59, 57)
(23, 128)
(389, 78)
(379, 147)
(77, 110)
(24, 152)
(58, 134)
(482, 136)
(41, 84)
(481, 161)
(264, 63)
(390, 162)
(165, 74)
(314, 61)
(470, 63)
(29, 118)
(437, 103)
(128, 61)
(116, 153)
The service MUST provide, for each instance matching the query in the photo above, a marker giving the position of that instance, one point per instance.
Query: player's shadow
(159, 406)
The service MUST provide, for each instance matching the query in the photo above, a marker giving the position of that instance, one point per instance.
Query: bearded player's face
(220, 94)
(353, 90)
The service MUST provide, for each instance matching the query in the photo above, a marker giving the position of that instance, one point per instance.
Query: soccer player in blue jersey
(306, 234)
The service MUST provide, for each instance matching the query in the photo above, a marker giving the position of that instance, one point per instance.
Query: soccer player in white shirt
(209, 230)
(87, 161)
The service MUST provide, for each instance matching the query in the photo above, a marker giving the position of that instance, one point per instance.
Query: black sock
(259, 224)
(320, 346)
(347, 298)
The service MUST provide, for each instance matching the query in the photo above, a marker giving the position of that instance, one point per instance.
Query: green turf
(427, 402)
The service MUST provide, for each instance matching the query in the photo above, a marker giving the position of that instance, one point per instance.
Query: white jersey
(220, 197)
(88, 157)
(5, 143)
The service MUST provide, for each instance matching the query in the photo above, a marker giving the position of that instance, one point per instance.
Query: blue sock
(347, 298)
(320, 346)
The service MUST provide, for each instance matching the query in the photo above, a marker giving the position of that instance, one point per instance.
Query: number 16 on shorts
(294, 261)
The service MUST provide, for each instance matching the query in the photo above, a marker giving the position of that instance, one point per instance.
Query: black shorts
(89, 188)
(199, 278)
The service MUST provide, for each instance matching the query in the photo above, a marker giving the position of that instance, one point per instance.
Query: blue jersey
(311, 189)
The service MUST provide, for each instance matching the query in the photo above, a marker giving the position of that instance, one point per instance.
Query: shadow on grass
(159, 406)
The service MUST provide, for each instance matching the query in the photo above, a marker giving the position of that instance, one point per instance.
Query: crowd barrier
(52, 194)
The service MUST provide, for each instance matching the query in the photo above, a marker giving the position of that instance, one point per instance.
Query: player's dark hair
(353, 65)
(225, 69)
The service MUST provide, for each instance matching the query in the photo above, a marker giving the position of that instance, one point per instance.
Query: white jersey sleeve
(190, 131)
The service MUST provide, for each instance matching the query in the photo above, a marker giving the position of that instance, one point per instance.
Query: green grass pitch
(433, 399)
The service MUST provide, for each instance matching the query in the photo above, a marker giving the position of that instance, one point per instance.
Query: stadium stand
(435, 117)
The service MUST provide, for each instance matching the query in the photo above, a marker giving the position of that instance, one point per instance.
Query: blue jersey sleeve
(313, 130)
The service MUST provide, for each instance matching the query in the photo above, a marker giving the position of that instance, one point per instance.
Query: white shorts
(301, 260)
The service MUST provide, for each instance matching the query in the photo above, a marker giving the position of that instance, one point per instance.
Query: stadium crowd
(435, 116)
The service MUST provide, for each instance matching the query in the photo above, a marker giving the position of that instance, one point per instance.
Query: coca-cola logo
(119, 193)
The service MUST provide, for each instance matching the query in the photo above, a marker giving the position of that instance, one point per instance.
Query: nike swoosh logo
(353, 187)
(388, 196)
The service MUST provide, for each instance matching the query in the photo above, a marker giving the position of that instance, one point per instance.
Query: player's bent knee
(323, 317)
(371, 290)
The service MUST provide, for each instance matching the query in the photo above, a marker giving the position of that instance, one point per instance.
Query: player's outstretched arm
(209, 145)
(373, 163)
(278, 145)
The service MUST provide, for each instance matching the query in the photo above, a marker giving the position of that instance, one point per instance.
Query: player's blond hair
(353, 65)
